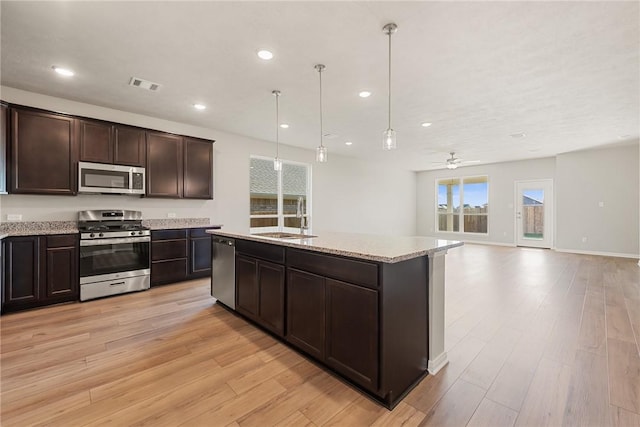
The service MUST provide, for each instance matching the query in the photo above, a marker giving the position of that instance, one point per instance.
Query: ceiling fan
(453, 162)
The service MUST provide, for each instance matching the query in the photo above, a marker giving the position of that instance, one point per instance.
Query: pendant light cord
(277, 125)
(320, 73)
(389, 79)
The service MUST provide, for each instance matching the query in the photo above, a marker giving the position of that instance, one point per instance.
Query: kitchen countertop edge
(299, 244)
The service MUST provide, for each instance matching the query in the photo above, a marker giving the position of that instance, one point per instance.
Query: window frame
(461, 214)
(280, 200)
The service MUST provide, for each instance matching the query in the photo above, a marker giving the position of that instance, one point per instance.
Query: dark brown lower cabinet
(39, 270)
(352, 332)
(180, 254)
(169, 259)
(306, 312)
(366, 321)
(260, 292)
(335, 322)
(199, 253)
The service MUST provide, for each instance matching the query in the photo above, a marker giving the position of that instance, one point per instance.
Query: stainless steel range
(114, 253)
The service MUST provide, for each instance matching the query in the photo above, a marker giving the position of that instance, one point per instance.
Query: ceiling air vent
(144, 84)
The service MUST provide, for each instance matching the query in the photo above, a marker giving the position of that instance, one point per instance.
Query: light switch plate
(171, 215)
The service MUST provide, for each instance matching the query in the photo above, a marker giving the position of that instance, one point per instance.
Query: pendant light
(277, 163)
(389, 135)
(321, 151)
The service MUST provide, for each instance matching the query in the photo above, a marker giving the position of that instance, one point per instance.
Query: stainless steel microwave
(115, 179)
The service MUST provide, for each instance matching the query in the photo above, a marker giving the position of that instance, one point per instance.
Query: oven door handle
(99, 242)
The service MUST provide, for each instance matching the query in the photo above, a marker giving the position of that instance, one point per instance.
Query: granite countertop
(372, 247)
(167, 224)
(34, 228)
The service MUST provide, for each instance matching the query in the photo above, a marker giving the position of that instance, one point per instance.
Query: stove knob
(92, 235)
(140, 233)
(133, 233)
(101, 234)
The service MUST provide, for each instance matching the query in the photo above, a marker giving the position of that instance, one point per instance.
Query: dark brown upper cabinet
(129, 146)
(96, 141)
(179, 167)
(43, 152)
(104, 142)
(4, 118)
(198, 168)
(164, 165)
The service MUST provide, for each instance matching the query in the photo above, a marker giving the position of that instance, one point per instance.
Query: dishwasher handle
(223, 241)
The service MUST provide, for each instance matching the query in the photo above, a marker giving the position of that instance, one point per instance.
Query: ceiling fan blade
(471, 161)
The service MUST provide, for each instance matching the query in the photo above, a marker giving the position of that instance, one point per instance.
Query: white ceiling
(566, 74)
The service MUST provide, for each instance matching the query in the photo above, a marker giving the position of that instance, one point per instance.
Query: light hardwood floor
(534, 337)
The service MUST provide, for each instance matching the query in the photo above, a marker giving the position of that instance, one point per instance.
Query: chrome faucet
(300, 213)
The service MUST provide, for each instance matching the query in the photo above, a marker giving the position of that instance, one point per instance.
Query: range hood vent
(144, 84)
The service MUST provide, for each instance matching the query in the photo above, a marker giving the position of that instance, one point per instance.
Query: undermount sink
(282, 235)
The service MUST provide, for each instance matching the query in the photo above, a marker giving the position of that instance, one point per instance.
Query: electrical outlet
(171, 215)
(584, 239)
(601, 204)
(504, 233)
(14, 217)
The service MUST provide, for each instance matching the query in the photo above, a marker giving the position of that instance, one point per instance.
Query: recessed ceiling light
(63, 71)
(364, 94)
(284, 126)
(199, 106)
(517, 135)
(265, 54)
(348, 143)
(425, 124)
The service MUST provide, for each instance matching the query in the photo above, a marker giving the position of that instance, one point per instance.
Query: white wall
(348, 194)
(586, 178)
(502, 177)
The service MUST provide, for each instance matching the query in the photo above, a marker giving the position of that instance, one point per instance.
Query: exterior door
(534, 213)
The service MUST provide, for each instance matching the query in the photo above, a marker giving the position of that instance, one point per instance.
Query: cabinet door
(129, 146)
(271, 296)
(164, 165)
(352, 332)
(22, 272)
(247, 286)
(62, 282)
(4, 117)
(198, 168)
(199, 256)
(306, 312)
(43, 153)
(96, 141)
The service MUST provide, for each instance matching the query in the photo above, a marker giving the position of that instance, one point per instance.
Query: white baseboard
(433, 366)
(487, 242)
(599, 253)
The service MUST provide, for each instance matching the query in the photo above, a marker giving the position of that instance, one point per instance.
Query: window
(463, 204)
(274, 195)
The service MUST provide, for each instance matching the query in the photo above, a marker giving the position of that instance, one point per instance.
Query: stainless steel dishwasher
(223, 270)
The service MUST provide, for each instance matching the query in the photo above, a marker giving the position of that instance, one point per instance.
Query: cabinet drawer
(350, 270)
(264, 251)
(198, 232)
(62, 240)
(168, 249)
(168, 234)
(168, 271)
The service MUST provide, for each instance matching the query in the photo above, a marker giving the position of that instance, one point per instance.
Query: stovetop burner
(99, 223)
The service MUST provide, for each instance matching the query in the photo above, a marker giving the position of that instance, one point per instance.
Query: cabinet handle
(116, 283)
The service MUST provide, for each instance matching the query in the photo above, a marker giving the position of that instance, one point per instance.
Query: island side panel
(404, 326)
(437, 355)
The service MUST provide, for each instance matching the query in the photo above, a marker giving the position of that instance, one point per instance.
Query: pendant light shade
(277, 163)
(322, 155)
(389, 135)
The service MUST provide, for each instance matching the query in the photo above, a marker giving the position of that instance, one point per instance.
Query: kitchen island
(368, 307)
